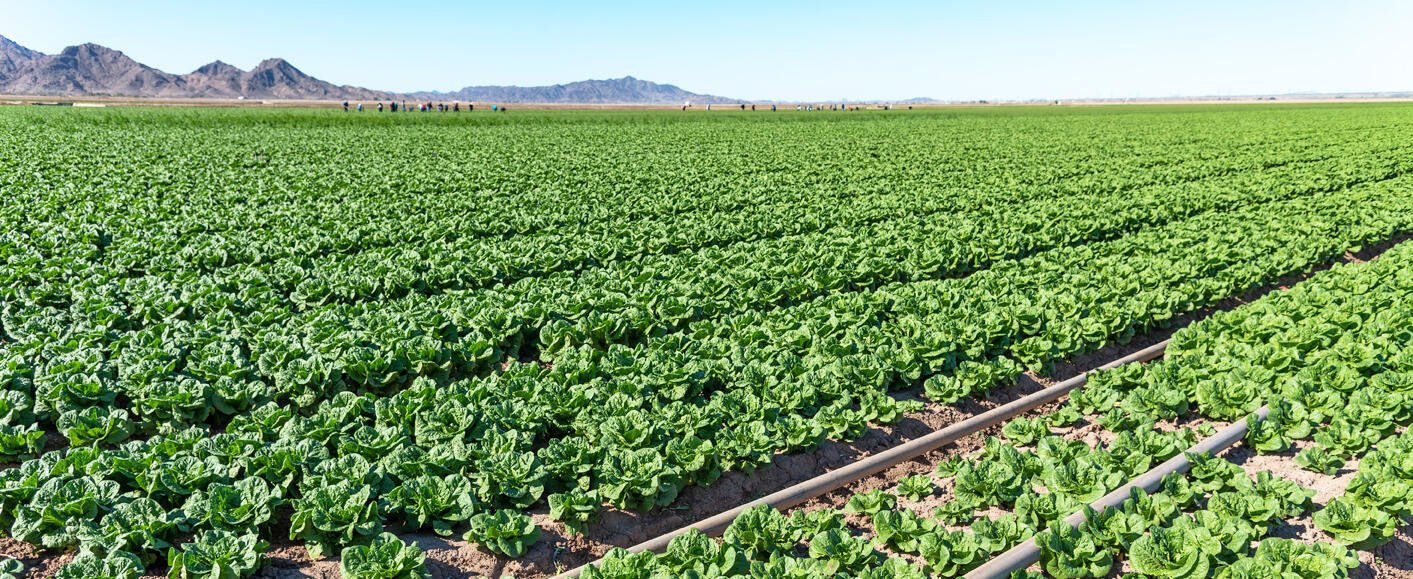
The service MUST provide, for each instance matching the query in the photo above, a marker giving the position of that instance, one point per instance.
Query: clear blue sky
(816, 50)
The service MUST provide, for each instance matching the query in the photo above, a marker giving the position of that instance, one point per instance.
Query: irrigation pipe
(830, 481)
(1028, 553)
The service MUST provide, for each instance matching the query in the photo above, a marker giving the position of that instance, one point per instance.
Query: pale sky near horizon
(820, 50)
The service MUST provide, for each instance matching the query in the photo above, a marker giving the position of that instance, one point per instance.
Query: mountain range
(94, 70)
(610, 91)
(91, 69)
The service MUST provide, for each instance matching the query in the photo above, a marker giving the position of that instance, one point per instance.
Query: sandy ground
(1390, 560)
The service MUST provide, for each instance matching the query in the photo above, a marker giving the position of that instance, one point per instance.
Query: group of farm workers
(424, 107)
(803, 107)
(456, 107)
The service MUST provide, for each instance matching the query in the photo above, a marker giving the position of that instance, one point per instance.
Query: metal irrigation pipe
(830, 481)
(1028, 553)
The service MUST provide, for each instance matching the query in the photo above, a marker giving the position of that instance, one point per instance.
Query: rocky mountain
(90, 69)
(274, 78)
(626, 90)
(13, 56)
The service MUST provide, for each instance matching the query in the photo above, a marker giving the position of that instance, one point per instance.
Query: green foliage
(1178, 552)
(954, 512)
(950, 553)
(1067, 553)
(915, 488)
(1113, 529)
(1066, 415)
(871, 502)
(694, 552)
(141, 527)
(1317, 459)
(11, 568)
(901, 529)
(385, 557)
(1355, 525)
(1266, 435)
(506, 532)
(242, 507)
(216, 328)
(841, 552)
(429, 501)
(60, 507)
(19, 443)
(217, 555)
(1025, 431)
(117, 565)
(575, 508)
(334, 516)
(1276, 557)
(760, 532)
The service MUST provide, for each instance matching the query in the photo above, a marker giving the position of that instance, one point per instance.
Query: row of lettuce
(358, 460)
(1333, 358)
(726, 395)
(1330, 356)
(349, 416)
(315, 180)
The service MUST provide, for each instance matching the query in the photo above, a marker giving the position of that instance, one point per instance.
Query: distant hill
(94, 70)
(91, 69)
(626, 90)
(274, 78)
(14, 57)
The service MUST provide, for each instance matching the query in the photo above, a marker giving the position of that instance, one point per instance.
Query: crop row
(1283, 350)
(211, 330)
(472, 455)
(227, 208)
(639, 299)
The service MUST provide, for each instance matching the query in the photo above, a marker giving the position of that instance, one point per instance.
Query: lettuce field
(307, 343)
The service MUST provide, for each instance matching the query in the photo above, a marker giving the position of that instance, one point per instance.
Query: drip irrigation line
(1028, 553)
(828, 482)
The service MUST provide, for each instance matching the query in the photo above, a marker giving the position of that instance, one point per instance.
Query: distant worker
(494, 108)
(753, 107)
(743, 106)
(470, 107)
(380, 107)
(772, 108)
(708, 106)
(345, 106)
(360, 107)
